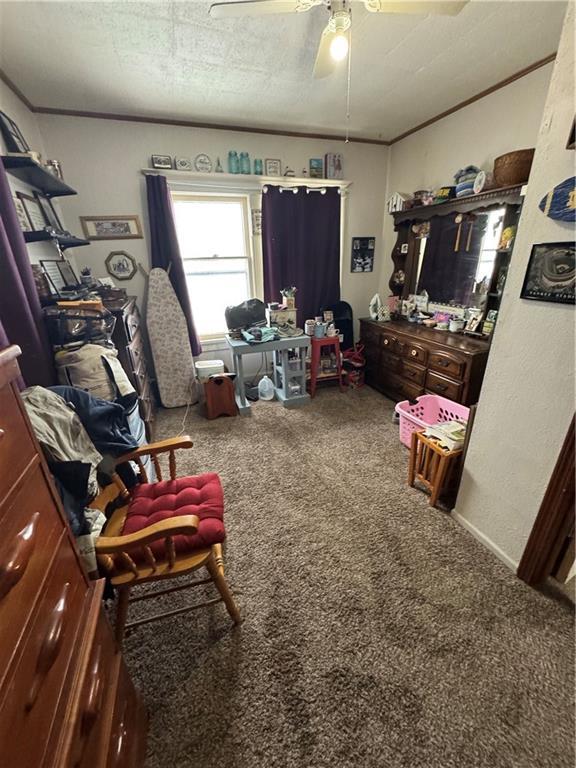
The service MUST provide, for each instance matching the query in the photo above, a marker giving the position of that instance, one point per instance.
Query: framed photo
(316, 168)
(21, 214)
(54, 275)
(272, 167)
(333, 165)
(12, 135)
(34, 212)
(256, 221)
(551, 273)
(48, 210)
(182, 163)
(68, 273)
(121, 265)
(161, 161)
(111, 227)
(362, 259)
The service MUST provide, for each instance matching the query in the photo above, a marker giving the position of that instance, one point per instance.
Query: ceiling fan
(334, 43)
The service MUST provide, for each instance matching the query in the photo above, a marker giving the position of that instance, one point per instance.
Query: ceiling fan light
(339, 47)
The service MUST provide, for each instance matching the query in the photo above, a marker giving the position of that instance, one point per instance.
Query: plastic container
(205, 368)
(426, 411)
(265, 389)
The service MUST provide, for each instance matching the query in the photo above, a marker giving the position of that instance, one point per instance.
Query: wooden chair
(154, 552)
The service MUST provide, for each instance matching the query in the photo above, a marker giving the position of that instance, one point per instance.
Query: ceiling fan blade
(434, 7)
(230, 10)
(325, 64)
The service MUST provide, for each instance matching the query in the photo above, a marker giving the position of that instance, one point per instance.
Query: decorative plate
(203, 164)
(183, 163)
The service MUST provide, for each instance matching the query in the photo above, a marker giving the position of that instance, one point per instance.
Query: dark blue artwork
(560, 203)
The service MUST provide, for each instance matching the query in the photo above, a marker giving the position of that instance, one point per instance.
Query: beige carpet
(377, 632)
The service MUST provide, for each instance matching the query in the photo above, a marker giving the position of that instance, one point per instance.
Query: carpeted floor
(377, 632)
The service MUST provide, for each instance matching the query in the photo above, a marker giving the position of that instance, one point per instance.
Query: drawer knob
(50, 647)
(12, 570)
(386, 342)
(93, 704)
(413, 352)
(2, 433)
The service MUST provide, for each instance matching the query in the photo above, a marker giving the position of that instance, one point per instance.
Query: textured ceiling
(170, 59)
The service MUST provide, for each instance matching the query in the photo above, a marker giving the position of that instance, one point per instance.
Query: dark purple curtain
(21, 317)
(165, 250)
(301, 247)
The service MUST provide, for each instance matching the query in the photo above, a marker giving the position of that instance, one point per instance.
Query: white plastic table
(285, 370)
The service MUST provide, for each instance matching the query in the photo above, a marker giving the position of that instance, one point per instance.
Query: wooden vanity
(405, 360)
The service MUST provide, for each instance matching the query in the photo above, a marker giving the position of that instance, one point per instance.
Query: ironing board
(169, 343)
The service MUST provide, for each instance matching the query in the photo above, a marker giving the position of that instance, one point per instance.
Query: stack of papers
(450, 434)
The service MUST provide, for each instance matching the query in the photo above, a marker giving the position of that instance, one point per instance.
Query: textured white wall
(505, 120)
(102, 160)
(527, 399)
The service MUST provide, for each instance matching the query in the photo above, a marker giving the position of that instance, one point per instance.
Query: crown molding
(271, 131)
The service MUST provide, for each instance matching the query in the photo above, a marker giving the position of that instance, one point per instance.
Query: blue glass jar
(244, 162)
(258, 167)
(233, 162)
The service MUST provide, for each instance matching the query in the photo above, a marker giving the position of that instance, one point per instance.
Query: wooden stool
(220, 395)
(431, 464)
(317, 347)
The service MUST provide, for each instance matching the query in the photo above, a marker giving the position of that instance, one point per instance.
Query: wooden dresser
(66, 699)
(405, 360)
(127, 338)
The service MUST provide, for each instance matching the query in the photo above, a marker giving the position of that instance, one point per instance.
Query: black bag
(249, 313)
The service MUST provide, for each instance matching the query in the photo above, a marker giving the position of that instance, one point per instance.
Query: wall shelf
(241, 180)
(34, 174)
(64, 241)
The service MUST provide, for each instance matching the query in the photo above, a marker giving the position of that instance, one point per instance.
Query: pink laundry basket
(426, 411)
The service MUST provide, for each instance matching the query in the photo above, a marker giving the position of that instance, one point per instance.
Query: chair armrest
(172, 444)
(185, 524)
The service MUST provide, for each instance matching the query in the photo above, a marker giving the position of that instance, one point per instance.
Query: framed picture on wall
(362, 259)
(111, 227)
(551, 273)
(121, 265)
(21, 214)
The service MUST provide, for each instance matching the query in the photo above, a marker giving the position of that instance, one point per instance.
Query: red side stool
(317, 347)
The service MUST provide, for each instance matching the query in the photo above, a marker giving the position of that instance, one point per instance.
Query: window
(213, 234)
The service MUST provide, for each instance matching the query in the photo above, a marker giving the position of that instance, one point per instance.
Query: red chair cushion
(199, 495)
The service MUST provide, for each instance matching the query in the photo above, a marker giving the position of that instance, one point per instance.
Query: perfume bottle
(218, 168)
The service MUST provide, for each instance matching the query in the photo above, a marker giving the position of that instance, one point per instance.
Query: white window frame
(254, 273)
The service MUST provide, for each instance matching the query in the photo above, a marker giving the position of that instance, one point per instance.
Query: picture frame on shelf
(333, 165)
(21, 215)
(53, 275)
(551, 273)
(272, 167)
(182, 164)
(162, 162)
(68, 274)
(33, 210)
(111, 227)
(202, 163)
(49, 212)
(316, 168)
(121, 265)
(13, 138)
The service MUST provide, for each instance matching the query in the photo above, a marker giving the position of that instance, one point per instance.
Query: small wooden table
(431, 465)
(285, 370)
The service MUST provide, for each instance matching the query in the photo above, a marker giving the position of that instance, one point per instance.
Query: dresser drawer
(439, 385)
(389, 342)
(40, 684)
(87, 742)
(132, 322)
(31, 528)
(447, 364)
(390, 362)
(16, 446)
(414, 352)
(136, 353)
(413, 373)
(126, 743)
(400, 389)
